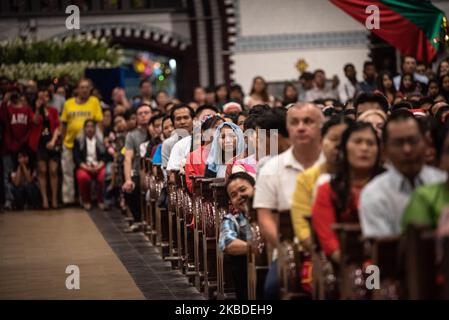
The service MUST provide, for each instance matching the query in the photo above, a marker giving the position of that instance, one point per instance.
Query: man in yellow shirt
(76, 111)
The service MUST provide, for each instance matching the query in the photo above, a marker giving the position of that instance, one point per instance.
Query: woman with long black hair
(359, 160)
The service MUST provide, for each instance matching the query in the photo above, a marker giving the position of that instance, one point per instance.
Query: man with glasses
(384, 199)
(131, 187)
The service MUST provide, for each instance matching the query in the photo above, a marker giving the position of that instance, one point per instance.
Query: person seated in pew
(191, 142)
(182, 118)
(167, 129)
(384, 199)
(428, 203)
(235, 229)
(228, 145)
(337, 201)
(276, 179)
(308, 180)
(196, 160)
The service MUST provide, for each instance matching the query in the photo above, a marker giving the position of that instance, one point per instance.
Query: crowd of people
(374, 152)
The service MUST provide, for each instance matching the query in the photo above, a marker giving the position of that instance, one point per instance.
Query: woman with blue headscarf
(227, 146)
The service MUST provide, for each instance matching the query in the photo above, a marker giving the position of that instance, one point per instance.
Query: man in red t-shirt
(16, 120)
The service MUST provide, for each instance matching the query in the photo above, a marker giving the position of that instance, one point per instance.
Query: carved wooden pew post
(351, 273)
(208, 238)
(289, 261)
(385, 255)
(420, 263)
(198, 232)
(257, 260)
(173, 256)
(162, 225)
(188, 230)
(225, 283)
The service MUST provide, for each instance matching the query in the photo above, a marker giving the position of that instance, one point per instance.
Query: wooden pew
(385, 254)
(197, 232)
(173, 256)
(257, 259)
(352, 257)
(179, 209)
(225, 282)
(324, 278)
(208, 237)
(420, 263)
(162, 223)
(188, 240)
(289, 260)
(144, 186)
(154, 187)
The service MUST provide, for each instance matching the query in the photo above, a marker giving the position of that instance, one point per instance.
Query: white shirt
(167, 146)
(383, 200)
(179, 152)
(347, 90)
(276, 181)
(91, 156)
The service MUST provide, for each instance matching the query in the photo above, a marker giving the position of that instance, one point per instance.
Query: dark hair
(259, 109)
(129, 113)
(439, 66)
(165, 118)
(286, 86)
(412, 88)
(335, 121)
(275, 118)
(307, 76)
(240, 175)
(397, 116)
(181, 106)
(144, 81)
(118, 116)
(237, 87)
(371, 97)
(348, 65)
(401, 105)
(141, 105)
(156, 117)
(406, 56)
(234, 116)
(264, 93)
(209, 123)
(433, 81)
(250, 122)
(439, 135)
(341, 182)
(89, 121)
(440, 112)
(206, 107)
(368, 64)
(348, 112)
(380, 82)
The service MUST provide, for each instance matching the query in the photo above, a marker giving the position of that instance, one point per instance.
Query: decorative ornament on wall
(301, 65)
(143, 64)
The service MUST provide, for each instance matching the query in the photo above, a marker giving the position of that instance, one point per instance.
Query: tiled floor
(152, 275)
(36, 247)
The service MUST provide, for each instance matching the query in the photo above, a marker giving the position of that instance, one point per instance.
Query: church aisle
(37, 246)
